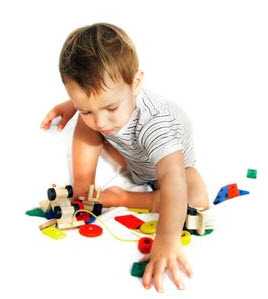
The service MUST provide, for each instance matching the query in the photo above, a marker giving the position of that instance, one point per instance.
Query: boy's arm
(173, 195)
(166, 251)
(86, 147)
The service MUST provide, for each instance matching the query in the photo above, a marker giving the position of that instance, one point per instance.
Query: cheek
(122, 117)
(88, 120)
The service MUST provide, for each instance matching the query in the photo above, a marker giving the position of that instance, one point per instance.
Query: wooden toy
(69, 223)
(93, 204)
(227, 192)
(199, 221)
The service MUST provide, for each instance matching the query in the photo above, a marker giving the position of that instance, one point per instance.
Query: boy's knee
(198, 201)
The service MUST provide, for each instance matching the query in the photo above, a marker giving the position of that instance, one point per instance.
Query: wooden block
(201, 224)
(61, 203)
(88, 205)
(67, 210)
(61, 192)
(233, 190)
(48, 223)
(53, 233)
(91, 191)
(98, 194)
(71, 225)
(192, 222)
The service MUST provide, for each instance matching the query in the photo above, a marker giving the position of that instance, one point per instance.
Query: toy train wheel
(69, 188)
(57, 212)
(51, 194)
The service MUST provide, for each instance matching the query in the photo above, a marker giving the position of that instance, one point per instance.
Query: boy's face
(108, 111)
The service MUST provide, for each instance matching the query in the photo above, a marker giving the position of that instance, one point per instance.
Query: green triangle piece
(36, 212)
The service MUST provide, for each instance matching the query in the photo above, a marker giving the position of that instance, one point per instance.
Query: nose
(101, 121)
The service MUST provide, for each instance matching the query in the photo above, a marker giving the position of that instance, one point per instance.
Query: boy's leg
(196, 188)
(197, 195)
(115, 196)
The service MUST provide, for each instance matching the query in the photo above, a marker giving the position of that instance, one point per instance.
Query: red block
(145, 245)
(130, 221)
(233, 191)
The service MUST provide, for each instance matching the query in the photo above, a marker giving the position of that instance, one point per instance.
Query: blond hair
(92, 51)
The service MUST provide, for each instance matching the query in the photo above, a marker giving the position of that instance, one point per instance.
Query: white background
(208, 56)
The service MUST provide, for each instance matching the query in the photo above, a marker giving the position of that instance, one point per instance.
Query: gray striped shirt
(156, 128)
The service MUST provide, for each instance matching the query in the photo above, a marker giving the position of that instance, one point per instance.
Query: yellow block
(186, 238)
(53, 232)
(149, 227)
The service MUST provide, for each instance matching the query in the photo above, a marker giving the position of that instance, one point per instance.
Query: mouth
(107, 132)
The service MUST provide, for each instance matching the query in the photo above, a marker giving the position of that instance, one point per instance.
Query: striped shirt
(156, 128)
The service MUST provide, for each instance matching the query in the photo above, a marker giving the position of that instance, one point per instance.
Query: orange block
(233, 191)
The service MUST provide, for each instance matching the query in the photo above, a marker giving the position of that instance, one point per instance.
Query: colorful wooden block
(232, 190)
(130, 221)
(222, 195)
(145, 245)
(53, 232)
(138, 268)
(252, 173)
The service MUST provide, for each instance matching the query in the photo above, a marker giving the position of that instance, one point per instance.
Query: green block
(252, 173)
(195, 233)
(137, 269)
(36, 212)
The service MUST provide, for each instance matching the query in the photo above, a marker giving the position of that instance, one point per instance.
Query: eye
(112, 109)
(85, 113)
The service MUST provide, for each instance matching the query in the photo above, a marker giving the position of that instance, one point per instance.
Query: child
(146, 135)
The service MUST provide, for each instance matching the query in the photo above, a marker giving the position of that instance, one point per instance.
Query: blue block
(222, 195)
(243, 192)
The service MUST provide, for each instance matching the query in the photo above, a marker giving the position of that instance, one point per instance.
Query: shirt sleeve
(161, 136)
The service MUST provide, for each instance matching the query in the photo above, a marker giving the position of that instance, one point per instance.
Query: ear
(137, 82)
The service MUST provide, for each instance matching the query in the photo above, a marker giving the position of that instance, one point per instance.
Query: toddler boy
(148, 136)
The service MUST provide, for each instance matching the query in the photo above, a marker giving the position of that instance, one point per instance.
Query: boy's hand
(64, 110)
(166, 254)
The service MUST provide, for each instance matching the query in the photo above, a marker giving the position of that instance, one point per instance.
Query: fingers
(185, 266)
(173, 267)
(62, 123)
(147, 276)
(46, 123)
(154, 272)
(158, 276)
